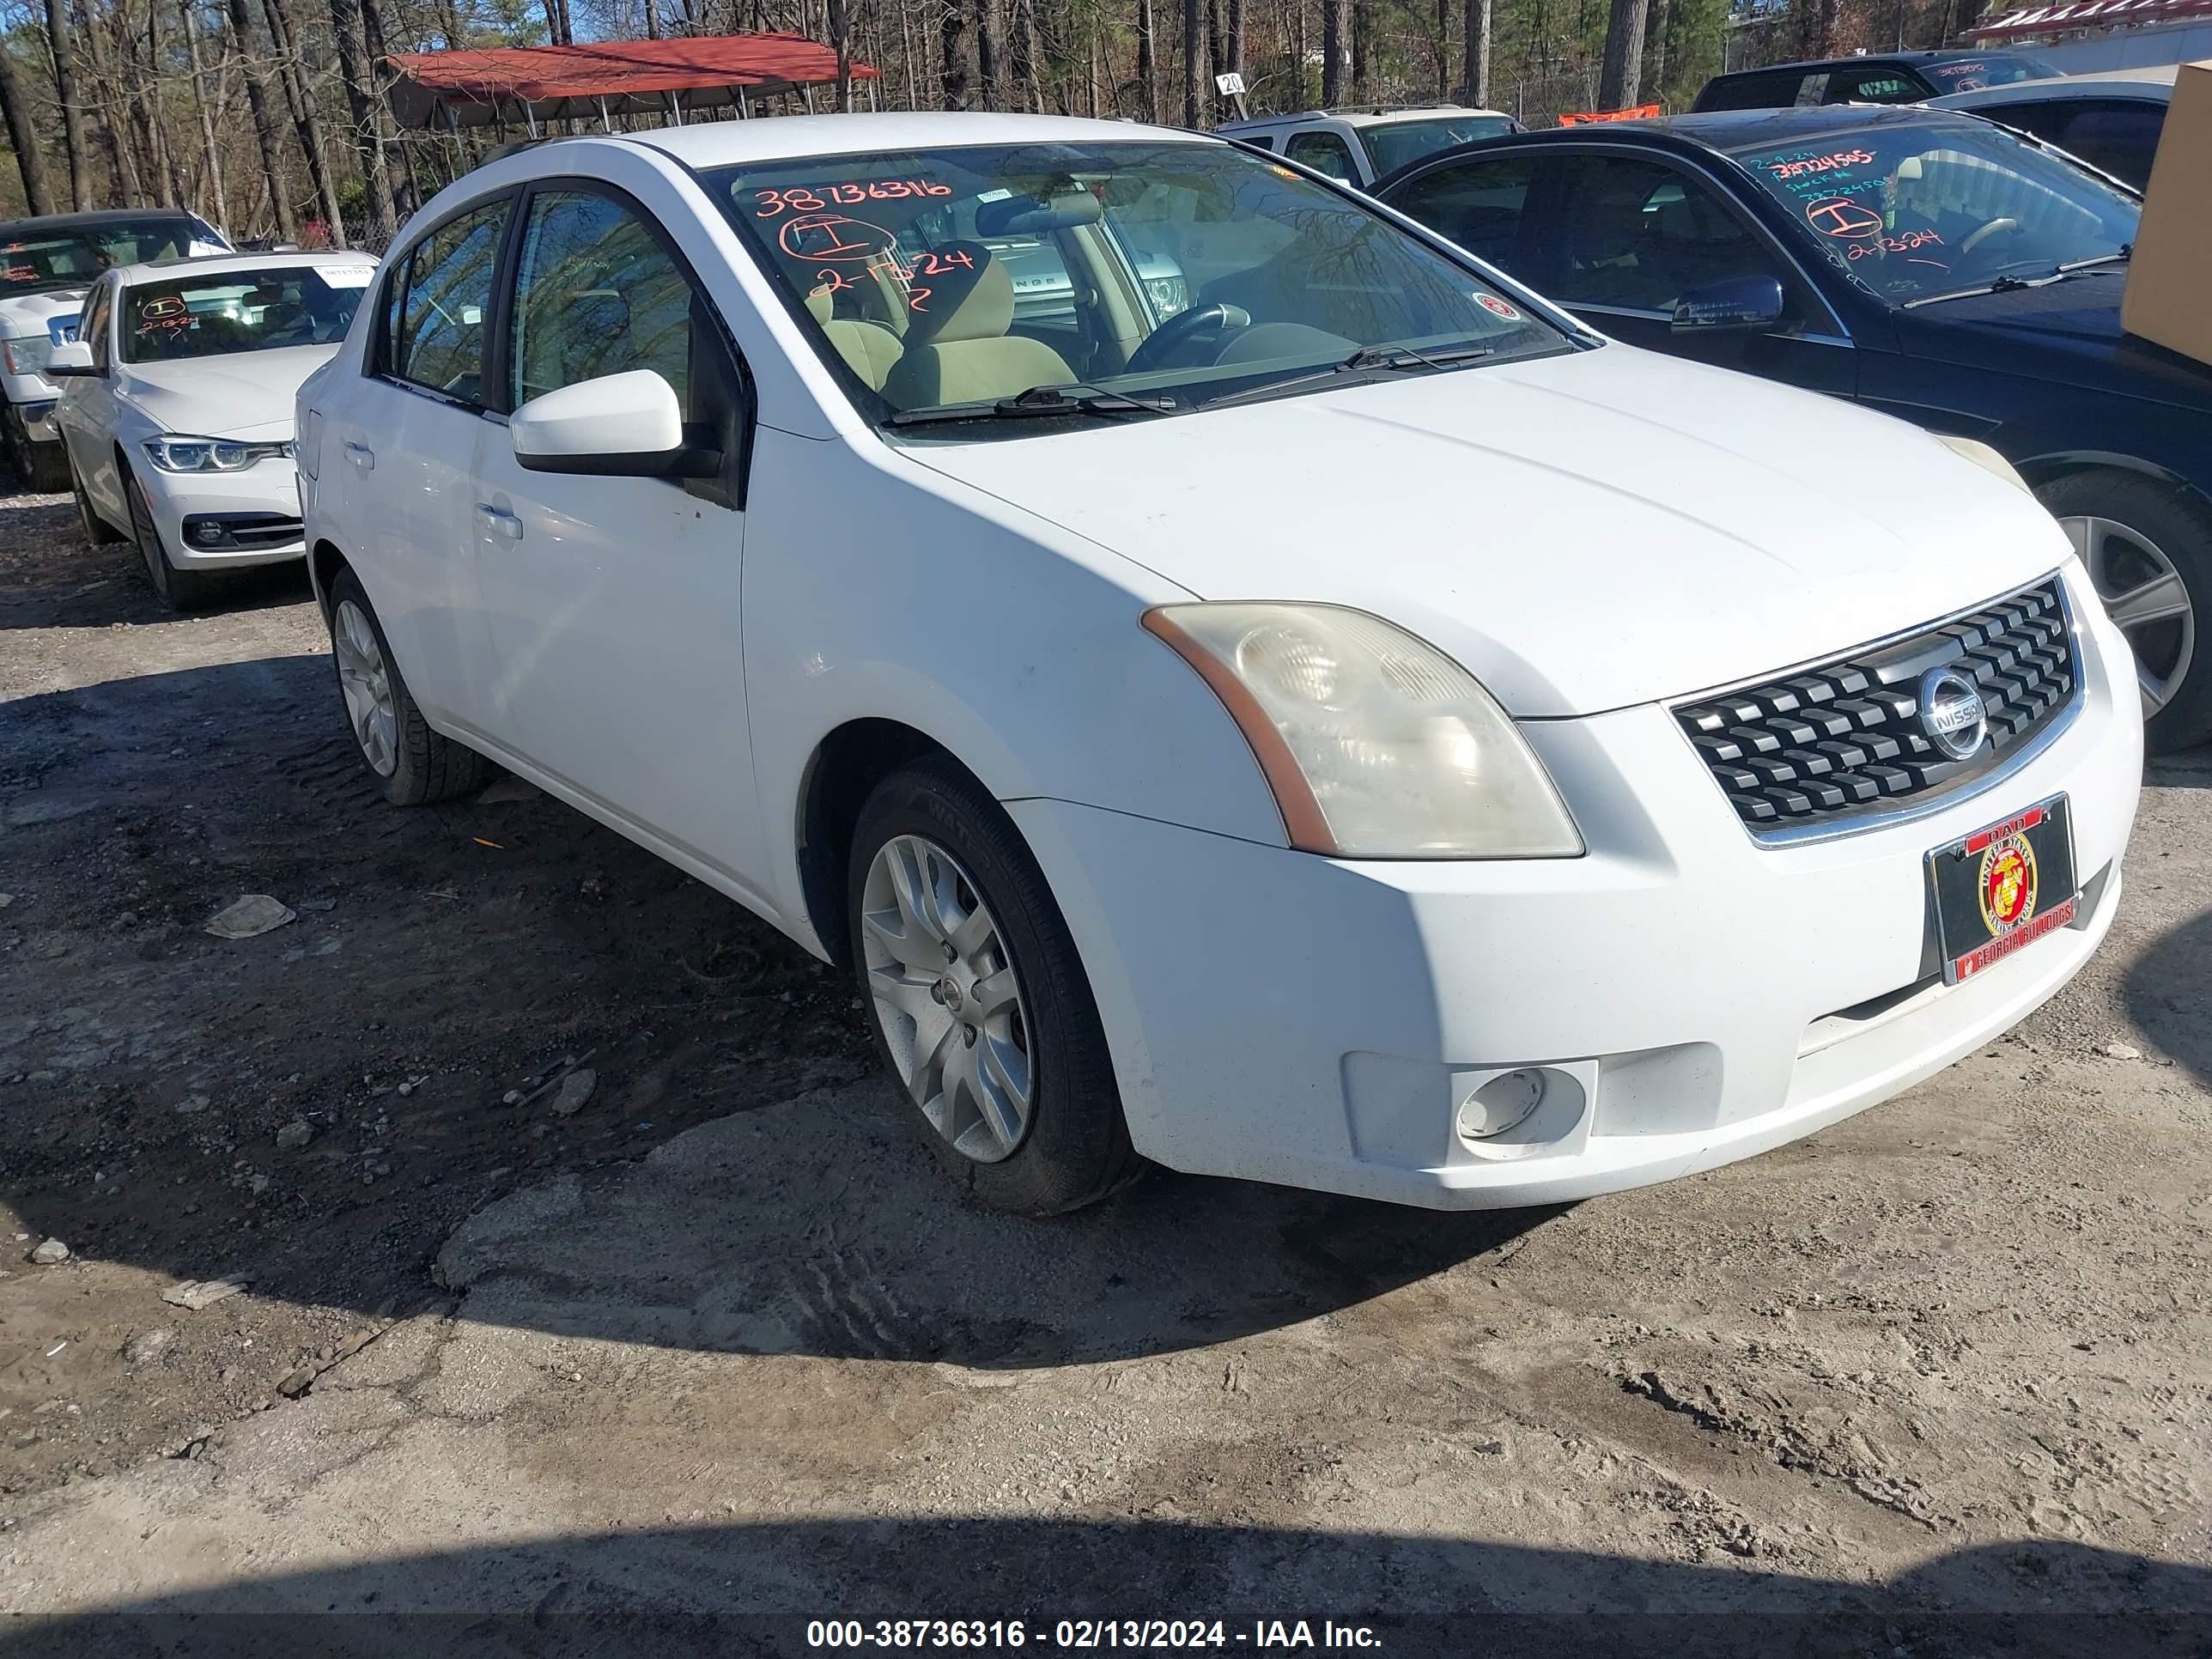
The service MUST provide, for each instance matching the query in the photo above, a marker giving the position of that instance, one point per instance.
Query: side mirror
(619, 425)
(71, 362)
(1739, 303)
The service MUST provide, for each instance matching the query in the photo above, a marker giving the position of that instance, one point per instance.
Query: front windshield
(1996, 69)
(1914, 210)
(1179, 272)
(231, 311)
(1394, 144)
(33, 261)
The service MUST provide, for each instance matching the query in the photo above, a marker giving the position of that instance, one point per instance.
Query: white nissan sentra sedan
(1359, 730)
(177, 405)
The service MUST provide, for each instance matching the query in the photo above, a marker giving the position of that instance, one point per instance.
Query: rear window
(1772, 89)
(1394, 144)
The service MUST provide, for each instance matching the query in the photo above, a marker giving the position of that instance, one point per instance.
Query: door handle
(500, 520)
(361, 455)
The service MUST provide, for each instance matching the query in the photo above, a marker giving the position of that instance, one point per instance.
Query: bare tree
(1617, 76)
(115, 137)
(1148, 64)
(65, 93)
(1193, 46)
(1335, 50)
(347, 27)
(953, 55)
(264, 122)
(987, 54)
(1475, 83)
(305, 121)
(207, 111)
(30, 157)
(1654, 49)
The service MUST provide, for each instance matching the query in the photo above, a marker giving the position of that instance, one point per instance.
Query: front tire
(415, 764)
(97, 531)
(179, 590)
(978, 1000)
(2148, 549)
(42, 468)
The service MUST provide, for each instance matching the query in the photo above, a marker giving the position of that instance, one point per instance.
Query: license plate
(2000, 890)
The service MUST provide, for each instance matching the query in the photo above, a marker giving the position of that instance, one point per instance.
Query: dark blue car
(1930, 264)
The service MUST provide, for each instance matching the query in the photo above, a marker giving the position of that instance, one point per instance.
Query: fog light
(1504, 1102)
(209, 534)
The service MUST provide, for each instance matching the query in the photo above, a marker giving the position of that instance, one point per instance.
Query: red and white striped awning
(2028, 22)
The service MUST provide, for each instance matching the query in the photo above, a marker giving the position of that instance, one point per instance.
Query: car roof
(2152, 83)
(796, 137)
(53, 222)
(156, 270)
(1371, 117)
(1807, 63)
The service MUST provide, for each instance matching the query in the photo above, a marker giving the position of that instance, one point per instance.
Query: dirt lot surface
(713, 1342)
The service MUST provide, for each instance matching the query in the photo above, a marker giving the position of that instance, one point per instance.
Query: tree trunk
(101, 90)
(1362, 55)
(130, 84)
(265, 122)
(987, 54)
(305, 121)
(1024, 61)
(1148, 62)
(1233, 36)
(65, 93)
(841, 38)
(207, 111)
(1335, 51)
(1216, 47)
(1477, 82)
(348, 29)
(1624, 55)
(1193, 42)
(953, 55)
(1655, 49)
(30, 159)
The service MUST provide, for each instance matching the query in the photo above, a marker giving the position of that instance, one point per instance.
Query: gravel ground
(712, 1341)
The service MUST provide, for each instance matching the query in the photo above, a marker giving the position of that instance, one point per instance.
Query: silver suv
(1361, 145)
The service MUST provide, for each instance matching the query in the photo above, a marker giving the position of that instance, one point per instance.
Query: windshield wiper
(1998, 285)
(1039, 400)
(1368, 360)
(2126, 252)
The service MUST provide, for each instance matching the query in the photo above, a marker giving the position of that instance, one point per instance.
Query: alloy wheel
(366, 681)
(947, 997)
(2147, 600)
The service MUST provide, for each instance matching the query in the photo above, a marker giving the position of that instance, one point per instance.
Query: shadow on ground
(754, 1588)
(50, 578)
(441, 960)
(2169, 993)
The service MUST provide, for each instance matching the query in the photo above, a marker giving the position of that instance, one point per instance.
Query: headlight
(27, 354)
(1981, 455)
(1375, 744)
(1170, 294)
(174, 454)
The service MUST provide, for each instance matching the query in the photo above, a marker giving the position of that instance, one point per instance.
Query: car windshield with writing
(240, 311)
(38, 261)
(1996, 69)
(1919, 212)
(1168, 276)
(1394, 144)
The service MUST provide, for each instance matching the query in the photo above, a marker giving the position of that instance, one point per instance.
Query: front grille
(1846, 737)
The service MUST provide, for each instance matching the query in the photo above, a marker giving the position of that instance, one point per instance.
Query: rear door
(396, 448)
(615, 602)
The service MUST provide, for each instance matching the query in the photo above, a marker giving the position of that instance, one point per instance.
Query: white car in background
(45, 266)
(1362, 730)
(177, 413)
(2111, 119)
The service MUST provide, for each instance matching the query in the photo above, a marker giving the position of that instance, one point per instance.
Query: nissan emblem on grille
(1951, 712)
(1890, 721)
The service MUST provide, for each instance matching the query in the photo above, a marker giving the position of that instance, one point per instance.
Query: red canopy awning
(2025, 23)
(618, 77)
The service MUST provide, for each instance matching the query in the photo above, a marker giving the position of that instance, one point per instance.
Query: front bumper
(1694, 997)
(38, 424)
(223, 520)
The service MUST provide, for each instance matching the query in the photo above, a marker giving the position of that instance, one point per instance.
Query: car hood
(1583, 532)
(28, 314)
(244, 394)
(2068, 332)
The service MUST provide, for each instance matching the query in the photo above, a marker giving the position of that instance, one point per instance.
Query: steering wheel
(1995, 228)
(1162, 342)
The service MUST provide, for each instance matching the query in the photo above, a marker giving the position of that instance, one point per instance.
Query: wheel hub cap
(947, 998)
(364, 679)
(2145, 596)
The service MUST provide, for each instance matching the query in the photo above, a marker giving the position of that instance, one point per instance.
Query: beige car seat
(870, 349)
(957, 349)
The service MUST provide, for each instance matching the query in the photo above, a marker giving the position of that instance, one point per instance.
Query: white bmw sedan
(1356, 729)
(177, 405)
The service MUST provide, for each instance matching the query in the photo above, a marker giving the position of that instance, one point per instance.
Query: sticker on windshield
(346, 275)
(1497, 307)
(1840, 216)
(833, 236)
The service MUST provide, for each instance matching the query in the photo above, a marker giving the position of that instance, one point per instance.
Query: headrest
(970, 301)
(1025, 216)
(817, 305)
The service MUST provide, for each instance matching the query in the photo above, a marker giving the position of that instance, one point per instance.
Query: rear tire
(979, 1002)
(2147, 547)
(179, 590)
(415, 765)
